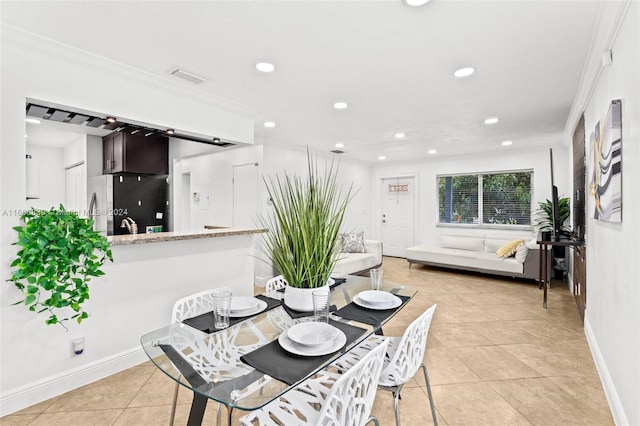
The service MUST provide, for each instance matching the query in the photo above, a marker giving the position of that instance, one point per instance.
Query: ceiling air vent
(189, 76)
(337, 151)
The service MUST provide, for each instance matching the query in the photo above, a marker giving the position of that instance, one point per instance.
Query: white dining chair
(404, 357)
(275, 283)
(219, 346)
(328, 398)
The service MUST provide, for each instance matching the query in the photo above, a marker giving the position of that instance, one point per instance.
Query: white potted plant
(302, 238)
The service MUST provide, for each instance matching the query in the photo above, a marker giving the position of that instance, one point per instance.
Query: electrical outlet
(77, 346)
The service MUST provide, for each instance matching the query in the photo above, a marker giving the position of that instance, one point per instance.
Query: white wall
(277, 160)
(212, 179)
(507, 159)
(93, 156)
(52, 176)
(70, 79)
(76, 151)
(612, 317)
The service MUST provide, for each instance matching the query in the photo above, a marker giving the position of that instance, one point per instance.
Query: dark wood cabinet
(579, 218)
(134, 153)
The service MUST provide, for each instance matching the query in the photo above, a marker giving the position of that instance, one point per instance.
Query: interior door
(245, 194)
(397, 210)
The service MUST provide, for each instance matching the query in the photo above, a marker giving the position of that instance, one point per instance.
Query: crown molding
(61, 52)
(611, 18)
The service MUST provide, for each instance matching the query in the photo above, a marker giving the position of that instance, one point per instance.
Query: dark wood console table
(544, 242)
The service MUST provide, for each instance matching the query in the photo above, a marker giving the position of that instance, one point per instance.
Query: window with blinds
(488, 199)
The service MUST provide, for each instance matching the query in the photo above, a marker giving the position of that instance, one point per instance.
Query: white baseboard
(617, 411)
(33, 393)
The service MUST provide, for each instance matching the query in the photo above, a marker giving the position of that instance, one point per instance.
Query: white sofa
(359, 263)
(478, 253)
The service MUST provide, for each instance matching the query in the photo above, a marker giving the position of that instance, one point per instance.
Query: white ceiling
(393, 64)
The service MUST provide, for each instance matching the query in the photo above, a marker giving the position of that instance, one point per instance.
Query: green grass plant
(302, 238)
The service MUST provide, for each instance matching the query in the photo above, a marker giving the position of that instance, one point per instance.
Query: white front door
(245, 195)
(397, 211)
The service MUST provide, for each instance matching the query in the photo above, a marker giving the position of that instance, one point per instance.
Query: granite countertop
(208, 232)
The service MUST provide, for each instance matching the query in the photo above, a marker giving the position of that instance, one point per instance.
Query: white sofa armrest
(374, 247)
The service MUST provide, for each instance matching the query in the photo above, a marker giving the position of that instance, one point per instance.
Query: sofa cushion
(462, 243)
(349, 263)
(353, 242)
(521, 253)
(509, 249)
(463, 258)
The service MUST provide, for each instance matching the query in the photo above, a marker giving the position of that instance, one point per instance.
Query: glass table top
(210, 365)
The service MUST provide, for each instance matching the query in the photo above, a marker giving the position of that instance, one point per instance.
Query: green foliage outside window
(489, 199)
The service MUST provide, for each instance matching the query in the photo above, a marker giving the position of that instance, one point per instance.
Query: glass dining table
(245, 366)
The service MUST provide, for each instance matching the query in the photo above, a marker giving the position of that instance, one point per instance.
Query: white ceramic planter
(300, 299)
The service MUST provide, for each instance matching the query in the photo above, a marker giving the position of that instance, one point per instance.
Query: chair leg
(174, 404)
(433, 408)
(229, 412)
(219, 415)
(373, 419)
(396, 409)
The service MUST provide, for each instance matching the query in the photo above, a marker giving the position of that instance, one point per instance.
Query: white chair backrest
(409, 354)
(275, 283)
(350, 399)
(194, 304)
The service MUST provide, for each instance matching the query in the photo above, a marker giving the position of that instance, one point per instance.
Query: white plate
(312, 334)
(394, 304)
(259, 306)
(376, 297)
(296, 349)
(243, 303)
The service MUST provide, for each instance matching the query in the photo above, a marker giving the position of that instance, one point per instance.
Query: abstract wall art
(605, 183)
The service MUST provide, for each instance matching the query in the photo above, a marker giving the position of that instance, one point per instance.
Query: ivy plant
(59, 255)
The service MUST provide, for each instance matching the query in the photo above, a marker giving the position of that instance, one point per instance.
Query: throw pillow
(522, 252)
(509, 249)
(353, 242)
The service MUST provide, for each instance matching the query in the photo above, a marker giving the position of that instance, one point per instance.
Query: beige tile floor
(495, 357)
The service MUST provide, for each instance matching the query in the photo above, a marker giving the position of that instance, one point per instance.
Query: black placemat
(368, 316)
(271, 359)
(300, 314)
(204, 322)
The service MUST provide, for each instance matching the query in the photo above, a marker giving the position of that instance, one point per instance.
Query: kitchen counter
(209, 232)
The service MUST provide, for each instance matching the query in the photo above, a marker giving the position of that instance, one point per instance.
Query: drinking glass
(320, 305)
(376, 276)
(221, 308)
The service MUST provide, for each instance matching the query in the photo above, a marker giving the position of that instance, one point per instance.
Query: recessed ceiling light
(269, 124)
(432, 151)
(492, 120)
(382, 157)
(464, 72)
(507, 143)
(32, 120)
(265, 67)
(399, 135)
(340, 105)
(110, 119)
(339, 145)
(170, 131)
(415, 3)
(26, 136)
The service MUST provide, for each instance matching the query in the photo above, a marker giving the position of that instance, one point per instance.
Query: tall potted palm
(302, 238)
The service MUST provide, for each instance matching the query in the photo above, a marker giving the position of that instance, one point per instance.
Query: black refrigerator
(142, 198)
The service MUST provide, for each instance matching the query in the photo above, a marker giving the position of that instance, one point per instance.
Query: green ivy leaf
(57, 255)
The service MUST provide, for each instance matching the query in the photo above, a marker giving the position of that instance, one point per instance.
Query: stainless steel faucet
(130, 224)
